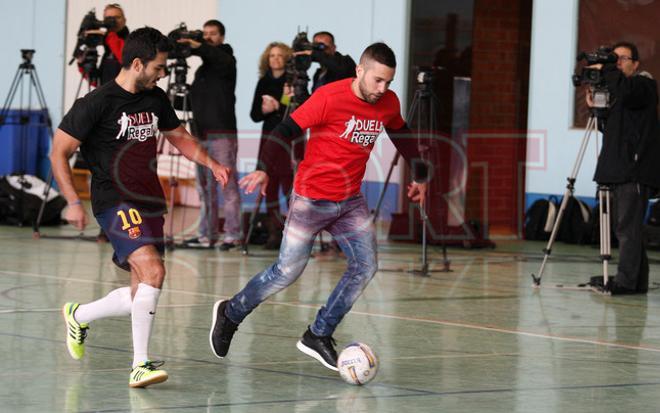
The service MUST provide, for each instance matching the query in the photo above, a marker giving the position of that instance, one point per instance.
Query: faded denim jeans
(224, 151)
(350, 224)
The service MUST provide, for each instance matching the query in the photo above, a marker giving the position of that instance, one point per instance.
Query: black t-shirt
(118, 131)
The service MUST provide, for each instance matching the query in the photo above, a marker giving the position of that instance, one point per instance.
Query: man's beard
(143, 84)
(369, 98)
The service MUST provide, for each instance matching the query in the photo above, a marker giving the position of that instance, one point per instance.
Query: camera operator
(113, 44)
(213, 101)
(334, 65)
(628, 161)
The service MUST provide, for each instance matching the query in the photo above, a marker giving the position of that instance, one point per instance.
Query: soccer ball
(357, 364)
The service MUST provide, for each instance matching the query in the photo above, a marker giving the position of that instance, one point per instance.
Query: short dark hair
(630, 46)
(144, 44)
(216, 23)
(324, 33)
(379, 52)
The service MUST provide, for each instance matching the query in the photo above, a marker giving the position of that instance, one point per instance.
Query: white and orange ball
(357, 364)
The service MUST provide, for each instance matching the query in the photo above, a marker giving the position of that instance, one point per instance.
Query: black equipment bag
(539, 219)
(576, 223)
(21, 197)
(259, 234)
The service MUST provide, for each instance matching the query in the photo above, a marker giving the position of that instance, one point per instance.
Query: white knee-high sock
(143, 311)
(117, 303)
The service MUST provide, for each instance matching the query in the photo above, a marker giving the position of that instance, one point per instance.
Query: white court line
(58, 310)
(470, 326)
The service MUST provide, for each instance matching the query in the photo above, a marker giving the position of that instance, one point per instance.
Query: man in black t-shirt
(116, 127)
(213, 100)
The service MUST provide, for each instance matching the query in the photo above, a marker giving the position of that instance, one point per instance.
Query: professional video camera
(87, 42)
(183, 50)
(594, 77)
(425, 74)
(296, 67)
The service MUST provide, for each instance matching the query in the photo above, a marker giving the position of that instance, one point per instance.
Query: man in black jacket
(629, 162)
(334, 65)
(213, 101)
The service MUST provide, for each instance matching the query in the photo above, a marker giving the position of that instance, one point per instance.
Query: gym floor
(478, 339)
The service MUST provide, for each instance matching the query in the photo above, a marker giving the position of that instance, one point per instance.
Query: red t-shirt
(343, 131)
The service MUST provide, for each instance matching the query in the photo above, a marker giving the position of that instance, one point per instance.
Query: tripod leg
(10, 96)
(605, 232)
(424, 272)
(37, 222)
(553, 235)
(169, 238)
(570, 187)
(385, 185)
(253, 221)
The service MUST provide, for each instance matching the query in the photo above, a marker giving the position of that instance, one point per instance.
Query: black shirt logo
(137, 126)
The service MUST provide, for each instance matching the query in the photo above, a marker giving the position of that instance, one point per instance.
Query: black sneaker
(198, 242)
(222, 330)
(226, 246)
(320, 348)
(596, 281)
(612, 288)
(618, 289)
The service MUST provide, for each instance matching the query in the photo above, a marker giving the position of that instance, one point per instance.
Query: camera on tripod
(87, 42)
(424, 75)
(177, 88)
(593, 77)
(183, 50)
(297, 66)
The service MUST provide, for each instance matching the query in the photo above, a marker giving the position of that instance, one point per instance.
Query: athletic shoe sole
(215, 319)
(152, 380)
(312, 353)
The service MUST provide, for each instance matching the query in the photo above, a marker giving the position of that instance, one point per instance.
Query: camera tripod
(423, 112)
(29, 71)
(179, 93)
(603, 211)
(89, 71)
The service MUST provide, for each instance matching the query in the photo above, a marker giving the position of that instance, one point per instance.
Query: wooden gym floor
(478, 339)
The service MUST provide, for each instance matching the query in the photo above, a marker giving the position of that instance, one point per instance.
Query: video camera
(183, 50)
(594, 77)
(425, 74)
(87, 43)
(301, 43)
(297, 66)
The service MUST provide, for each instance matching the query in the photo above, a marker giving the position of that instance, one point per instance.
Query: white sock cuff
(147, 289)
(146, 295)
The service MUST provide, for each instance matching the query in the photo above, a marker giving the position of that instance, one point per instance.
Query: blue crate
(25, 139)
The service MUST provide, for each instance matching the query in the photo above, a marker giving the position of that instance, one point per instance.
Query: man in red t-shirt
(114, 38)
(345, 118)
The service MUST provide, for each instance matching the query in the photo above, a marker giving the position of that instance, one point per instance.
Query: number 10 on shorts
(133, 214)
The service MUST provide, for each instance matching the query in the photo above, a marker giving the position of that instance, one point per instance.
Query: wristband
(76, 202)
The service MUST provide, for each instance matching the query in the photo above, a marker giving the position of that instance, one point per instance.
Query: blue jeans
(350, 224)
(224, 151)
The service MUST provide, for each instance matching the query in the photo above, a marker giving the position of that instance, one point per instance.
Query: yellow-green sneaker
(75, 332)
(147, 373)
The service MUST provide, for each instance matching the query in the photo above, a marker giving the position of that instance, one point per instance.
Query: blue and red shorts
(129, 228)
